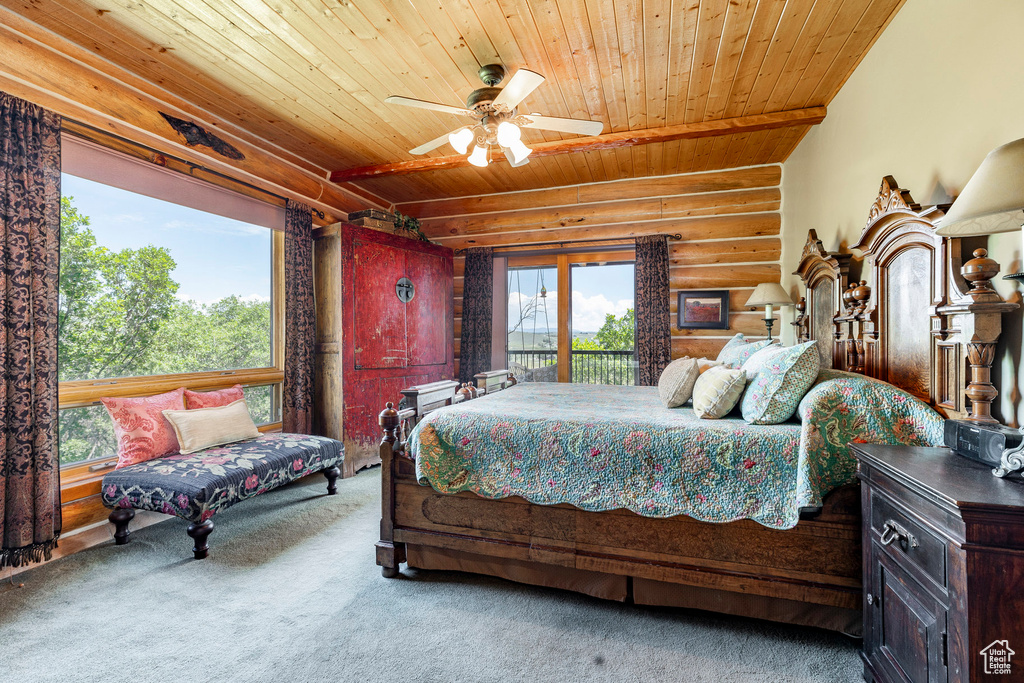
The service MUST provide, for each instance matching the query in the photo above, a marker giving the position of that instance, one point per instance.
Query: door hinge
(945, 649)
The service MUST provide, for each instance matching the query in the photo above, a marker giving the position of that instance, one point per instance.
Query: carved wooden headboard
(826, 278)
(906, 262)
(915, 322)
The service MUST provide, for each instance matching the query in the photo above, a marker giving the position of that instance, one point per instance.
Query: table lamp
(992, 201)
(769, 294)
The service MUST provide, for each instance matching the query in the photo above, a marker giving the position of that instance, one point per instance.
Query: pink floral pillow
(212, 399)
(142, 432)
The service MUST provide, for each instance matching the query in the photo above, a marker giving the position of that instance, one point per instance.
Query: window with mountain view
(150, 288)
(600, 323)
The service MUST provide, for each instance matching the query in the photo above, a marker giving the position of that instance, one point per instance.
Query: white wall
(942, 86)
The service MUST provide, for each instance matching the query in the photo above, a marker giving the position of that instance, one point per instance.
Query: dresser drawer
(905, 538)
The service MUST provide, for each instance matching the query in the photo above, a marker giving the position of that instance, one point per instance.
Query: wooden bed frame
(888, 326)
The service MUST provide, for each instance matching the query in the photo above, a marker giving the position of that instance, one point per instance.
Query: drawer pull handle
(892, 531)
(871, 599)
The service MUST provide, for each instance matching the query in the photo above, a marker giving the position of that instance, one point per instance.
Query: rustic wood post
(389, 554)
(978, 316)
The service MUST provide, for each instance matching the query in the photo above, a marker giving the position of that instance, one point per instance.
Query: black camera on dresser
(943, 567)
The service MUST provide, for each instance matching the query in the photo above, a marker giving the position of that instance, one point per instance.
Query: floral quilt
(606, 447)
(196, 486)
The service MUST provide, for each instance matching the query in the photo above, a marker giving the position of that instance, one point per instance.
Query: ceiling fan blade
(432, 145)
(522, 84)
(578, 126)
(433, 106)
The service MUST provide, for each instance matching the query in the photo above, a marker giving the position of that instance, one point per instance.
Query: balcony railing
(603, 367)
(588, 367)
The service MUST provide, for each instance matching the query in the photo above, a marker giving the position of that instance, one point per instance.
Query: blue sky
(215, 256)
(596, 291)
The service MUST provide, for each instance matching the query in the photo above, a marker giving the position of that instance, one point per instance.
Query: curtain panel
(300, 320)
(477, 313)
(30, 518)
(653, 320)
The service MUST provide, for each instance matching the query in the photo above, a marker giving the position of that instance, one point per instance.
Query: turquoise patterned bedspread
(607, 447)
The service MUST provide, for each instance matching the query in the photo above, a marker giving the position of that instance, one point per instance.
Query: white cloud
(588, 313)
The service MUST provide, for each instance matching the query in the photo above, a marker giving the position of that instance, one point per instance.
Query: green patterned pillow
(779, 378)
(717, 391)
(738, 349)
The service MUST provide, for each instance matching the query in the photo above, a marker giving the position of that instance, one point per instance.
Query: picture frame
(703, 309)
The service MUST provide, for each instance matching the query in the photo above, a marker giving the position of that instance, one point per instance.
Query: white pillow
(203, 428)
(675, 386)
(717, 391)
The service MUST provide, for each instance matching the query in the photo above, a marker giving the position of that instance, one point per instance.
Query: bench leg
(120, 518)
(200, 532)
(332, 474)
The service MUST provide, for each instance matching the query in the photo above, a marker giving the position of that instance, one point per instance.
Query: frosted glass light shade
(479, 156)
(517, 152)
(993, 200)
(460, 139)
(508, 133)
(769, 293)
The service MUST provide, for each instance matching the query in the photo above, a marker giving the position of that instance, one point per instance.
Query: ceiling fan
(498, 122)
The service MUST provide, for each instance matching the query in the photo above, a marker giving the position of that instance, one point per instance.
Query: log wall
(729, 222)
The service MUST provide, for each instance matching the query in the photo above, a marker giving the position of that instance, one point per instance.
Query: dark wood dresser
(943, 567)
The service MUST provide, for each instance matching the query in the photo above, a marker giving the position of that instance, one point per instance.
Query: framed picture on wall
(704, 309)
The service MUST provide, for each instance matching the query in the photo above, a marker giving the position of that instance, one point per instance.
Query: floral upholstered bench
(196, 486)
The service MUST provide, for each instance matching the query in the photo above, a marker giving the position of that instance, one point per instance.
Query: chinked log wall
(729, 222)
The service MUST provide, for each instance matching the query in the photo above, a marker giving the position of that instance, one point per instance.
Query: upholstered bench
(196, 486)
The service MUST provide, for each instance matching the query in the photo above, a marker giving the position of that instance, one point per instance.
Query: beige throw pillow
(717, 391)
(208, 427)
(675, 386)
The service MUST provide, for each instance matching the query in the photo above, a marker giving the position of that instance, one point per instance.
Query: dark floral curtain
(653, 321)
(477, 313)
(299, 319)
(29, 259)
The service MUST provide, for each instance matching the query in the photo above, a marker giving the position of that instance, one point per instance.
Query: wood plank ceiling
(310, 76)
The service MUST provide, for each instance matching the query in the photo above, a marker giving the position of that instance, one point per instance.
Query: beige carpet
(290, 593)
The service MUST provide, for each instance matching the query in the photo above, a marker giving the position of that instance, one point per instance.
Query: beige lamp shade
(993, 200)
(769, 293)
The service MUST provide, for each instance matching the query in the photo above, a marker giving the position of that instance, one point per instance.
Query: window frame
(81, 480)
(563, 261)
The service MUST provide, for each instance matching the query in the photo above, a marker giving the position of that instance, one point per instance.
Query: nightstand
(943, 567)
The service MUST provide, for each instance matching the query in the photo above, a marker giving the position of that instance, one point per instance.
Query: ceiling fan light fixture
(508, 133)
(479, 156)
(518, 151)
(460, 139)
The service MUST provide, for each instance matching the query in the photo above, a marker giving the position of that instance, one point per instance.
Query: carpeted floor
(291, 594)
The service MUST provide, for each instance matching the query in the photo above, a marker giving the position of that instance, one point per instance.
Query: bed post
(389, 554)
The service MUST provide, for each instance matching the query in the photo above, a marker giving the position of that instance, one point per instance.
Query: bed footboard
(416, 402)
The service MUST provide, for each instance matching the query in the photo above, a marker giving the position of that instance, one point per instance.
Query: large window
(155, 295)
(533, 323)
(587, 337)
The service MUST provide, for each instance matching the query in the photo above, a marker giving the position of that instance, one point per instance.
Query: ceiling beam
(630, 138)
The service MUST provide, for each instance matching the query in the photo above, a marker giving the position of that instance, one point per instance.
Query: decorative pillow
(202, 428)
(675, 386)
(738, 350)
(212, 399)
(758, 359)
(717, 391)
(779, 379)
(142, 432)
